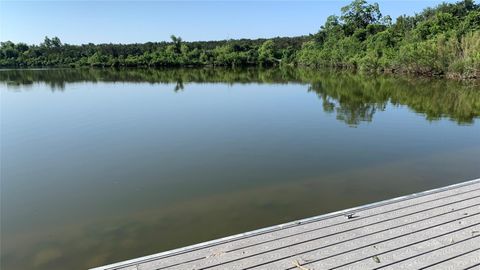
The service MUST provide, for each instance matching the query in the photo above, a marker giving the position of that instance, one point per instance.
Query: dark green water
(99, 166)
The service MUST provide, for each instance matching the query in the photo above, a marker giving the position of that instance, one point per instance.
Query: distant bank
(444, 40)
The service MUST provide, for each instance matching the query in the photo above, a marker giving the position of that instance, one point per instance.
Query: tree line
(444, 40)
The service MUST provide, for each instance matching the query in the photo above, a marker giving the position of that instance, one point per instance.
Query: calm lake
(99, 166)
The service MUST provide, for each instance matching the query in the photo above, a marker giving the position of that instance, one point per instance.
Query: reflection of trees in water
(350, 106)
(354, 98)
(178, 86)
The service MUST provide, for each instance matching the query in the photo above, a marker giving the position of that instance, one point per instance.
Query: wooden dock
(436, 229)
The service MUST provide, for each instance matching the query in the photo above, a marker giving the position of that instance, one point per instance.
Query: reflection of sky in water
(101, 172)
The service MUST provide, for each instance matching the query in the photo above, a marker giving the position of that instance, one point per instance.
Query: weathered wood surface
(436, 229)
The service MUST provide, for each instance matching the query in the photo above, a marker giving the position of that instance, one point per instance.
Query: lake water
(99, 166)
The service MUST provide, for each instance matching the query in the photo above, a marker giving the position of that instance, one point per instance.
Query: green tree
(266, 53)
(359, 14)
(177, 43)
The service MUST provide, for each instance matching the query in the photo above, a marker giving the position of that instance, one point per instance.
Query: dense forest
(444, 40)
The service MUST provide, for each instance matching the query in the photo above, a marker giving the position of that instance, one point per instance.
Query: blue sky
(77, 22)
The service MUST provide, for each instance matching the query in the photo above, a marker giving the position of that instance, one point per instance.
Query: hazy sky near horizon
(77, 22)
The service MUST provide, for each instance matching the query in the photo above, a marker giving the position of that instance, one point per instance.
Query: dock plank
(338, 246)
(467, 260)
(409, 231)
(390, 252)
(448, 253)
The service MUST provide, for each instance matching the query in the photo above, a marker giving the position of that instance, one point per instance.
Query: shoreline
(395, 72)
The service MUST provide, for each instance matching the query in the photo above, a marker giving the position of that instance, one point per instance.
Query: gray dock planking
(435, 229)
